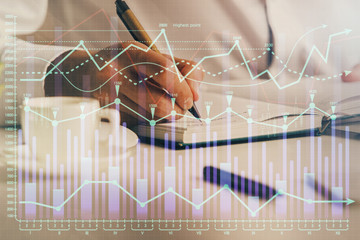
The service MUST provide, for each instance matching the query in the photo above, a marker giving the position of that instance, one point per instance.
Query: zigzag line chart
(312, 107)
(235, 47)
(279, 193)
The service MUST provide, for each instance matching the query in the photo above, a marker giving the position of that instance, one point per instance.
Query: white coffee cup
(58, 126)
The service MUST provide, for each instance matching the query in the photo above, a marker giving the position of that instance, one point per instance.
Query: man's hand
(141, 76)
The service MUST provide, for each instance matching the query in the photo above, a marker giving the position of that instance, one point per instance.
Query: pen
(139, 34)
(323, 190)
(263, 191)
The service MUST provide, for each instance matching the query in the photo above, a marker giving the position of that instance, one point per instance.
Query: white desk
(274, 154)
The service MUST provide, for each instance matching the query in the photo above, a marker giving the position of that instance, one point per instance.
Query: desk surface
(300, 154)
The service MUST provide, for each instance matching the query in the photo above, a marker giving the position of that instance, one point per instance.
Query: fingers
(137, 104)
(194, 75)
(353, 76)
(192, 72)
(166, 73)
(167, 76)
(138, 69)
(151, 65)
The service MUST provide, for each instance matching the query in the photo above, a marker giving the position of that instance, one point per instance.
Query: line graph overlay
(324, 57)
(152, 122)
(171, 190)
(323, 78)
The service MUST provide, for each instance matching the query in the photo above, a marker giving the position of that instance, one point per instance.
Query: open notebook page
(246, 118)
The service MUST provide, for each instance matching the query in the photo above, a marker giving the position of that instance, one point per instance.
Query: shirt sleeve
(31, 59)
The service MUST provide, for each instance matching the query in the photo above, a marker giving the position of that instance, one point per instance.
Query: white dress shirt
(188, 23)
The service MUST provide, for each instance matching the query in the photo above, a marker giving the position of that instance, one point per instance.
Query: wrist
(67, 73)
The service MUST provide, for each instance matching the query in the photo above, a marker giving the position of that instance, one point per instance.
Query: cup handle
(113, 116)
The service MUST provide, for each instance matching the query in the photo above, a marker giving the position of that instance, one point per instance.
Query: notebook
(243, 120)
(348, 114)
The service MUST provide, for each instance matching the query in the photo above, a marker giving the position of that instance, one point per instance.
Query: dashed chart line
(188, 63)
(181, 78)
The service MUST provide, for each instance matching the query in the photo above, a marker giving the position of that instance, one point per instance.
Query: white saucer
(131, 138)
(131, 141)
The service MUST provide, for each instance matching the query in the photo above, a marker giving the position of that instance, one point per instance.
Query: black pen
(139, 34)
(263, 191)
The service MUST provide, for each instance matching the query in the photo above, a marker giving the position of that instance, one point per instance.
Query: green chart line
(197, 206)
(235, 46)
(174, 113)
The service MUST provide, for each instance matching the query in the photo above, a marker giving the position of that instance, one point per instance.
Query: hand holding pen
(139, 34)
(142, 79)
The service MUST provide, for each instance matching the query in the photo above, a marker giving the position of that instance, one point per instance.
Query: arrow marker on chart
(333, 108)
(348, 201)
(229, 97)
(208, 110)
(285, 118)
(173, 102)
(312, 97)
(117, 87)
(152, 112)
(347, 72)
(347, 31)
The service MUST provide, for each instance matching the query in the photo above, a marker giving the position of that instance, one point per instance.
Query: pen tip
(195, 112)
